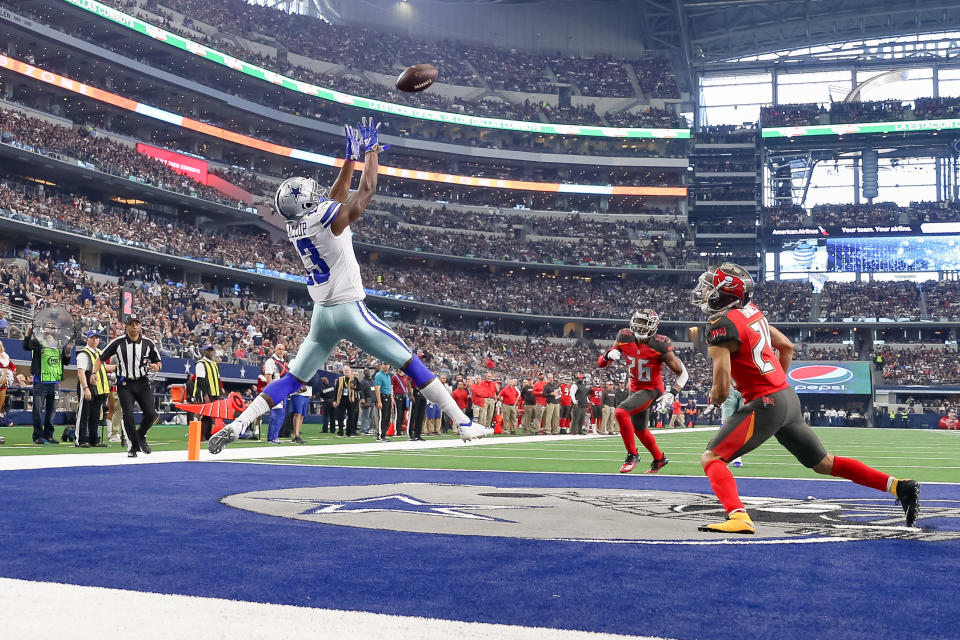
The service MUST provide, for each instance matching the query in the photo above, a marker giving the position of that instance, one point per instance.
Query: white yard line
(95, 613)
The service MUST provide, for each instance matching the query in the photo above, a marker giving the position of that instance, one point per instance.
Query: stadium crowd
(878, 213)
(488, 67)
(894, 300)
(101, 153)
(798, 115)
(920, 366)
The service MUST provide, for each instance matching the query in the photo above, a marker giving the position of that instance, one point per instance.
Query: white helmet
(644, 324)
(297, 197)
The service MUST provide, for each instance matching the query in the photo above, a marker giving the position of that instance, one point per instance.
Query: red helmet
(723, 287)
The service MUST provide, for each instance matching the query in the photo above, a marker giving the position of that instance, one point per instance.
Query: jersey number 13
(320, 272)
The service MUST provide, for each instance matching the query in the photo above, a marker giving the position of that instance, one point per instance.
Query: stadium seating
(883, 213)
(488, 67)
(797, 115)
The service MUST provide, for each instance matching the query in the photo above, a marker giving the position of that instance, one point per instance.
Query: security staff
(136, 358)
(208, 386)
(93, 391)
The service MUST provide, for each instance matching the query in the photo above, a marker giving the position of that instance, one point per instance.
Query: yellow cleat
(738, 522)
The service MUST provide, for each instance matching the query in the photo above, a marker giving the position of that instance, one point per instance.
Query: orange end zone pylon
(219, 410)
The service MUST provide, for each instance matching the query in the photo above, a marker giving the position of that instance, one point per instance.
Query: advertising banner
(184, 165)
(839, 378)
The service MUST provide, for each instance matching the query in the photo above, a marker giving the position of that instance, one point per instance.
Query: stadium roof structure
(763, 33)
(740, 35)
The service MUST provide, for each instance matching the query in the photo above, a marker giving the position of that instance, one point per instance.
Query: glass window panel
(949, 88)
(814, 77)
(905, 84)
(822, 94)
(737, 94)
(732, 115)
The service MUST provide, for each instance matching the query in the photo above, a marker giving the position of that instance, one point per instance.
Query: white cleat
(738, 463)
(473, 431)
(224, 437)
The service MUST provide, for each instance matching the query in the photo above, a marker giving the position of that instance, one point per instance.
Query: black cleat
(656, 465)
(144, 447)
(131, 454)
(908, 497)
(630, 463)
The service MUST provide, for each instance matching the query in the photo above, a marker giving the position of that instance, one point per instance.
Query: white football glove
(613, 354)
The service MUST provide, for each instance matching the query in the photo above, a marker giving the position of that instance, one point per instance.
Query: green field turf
(161, 438)
(924, 455)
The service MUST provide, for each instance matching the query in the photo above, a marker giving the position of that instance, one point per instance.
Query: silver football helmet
(644, 324)
(296, 197)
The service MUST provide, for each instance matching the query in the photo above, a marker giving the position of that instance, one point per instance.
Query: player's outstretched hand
(369, 131)
(353, 151)
(613, 354)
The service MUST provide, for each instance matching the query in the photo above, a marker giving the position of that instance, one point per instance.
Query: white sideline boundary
(95, 613)
(53, 461)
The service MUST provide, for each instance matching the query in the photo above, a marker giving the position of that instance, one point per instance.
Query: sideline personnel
(136, 358)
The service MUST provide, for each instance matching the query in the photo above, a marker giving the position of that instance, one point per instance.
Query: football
(417, 78)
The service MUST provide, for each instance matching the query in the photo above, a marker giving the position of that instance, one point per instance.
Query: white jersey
(333, 274)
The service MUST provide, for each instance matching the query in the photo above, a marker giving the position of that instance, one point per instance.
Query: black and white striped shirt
(132, 357)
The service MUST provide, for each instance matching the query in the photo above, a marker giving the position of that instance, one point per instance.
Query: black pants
(418, 413)
(576, 421)
(138, 390)
(400, 402)
(206, 423)
(328, 425)
(44, 401)
(88, 418)
(348, 413)
(385, 415)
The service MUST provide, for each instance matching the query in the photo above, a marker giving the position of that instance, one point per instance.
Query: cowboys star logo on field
(614, 516)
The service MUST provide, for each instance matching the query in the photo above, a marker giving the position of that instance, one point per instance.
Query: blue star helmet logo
(296, 193)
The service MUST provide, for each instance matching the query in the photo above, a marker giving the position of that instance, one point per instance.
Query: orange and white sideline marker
(193, 441)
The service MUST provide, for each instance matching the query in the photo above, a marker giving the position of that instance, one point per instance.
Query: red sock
(724, 485)
(853, 469)
(626, 430)
(647, 439)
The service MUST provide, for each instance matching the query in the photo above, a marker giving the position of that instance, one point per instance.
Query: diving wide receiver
(319, 229)
(741, 343)
(645, 353)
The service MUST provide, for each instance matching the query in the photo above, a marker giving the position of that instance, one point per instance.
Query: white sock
(256, 409)
(436, 393)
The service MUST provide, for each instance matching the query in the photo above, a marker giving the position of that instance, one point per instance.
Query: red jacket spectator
(462, 398)
(478, 394)
(538, 392)
(509, 395)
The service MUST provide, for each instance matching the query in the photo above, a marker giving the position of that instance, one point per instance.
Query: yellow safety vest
(212, 369)
(100, 385)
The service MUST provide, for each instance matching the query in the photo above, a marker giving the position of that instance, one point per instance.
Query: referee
(136, 358)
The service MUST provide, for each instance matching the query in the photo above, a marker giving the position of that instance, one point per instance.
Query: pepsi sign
(852, 378)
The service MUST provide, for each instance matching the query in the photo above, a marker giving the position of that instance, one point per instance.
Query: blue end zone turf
(161, 528)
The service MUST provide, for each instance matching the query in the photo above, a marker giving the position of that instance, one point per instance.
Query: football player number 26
(762, 329)
(640, 372)
(320, 272)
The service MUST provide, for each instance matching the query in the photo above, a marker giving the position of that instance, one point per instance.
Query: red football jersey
(566, 399)
(596, 396)
(753, 365)
(644, 360)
